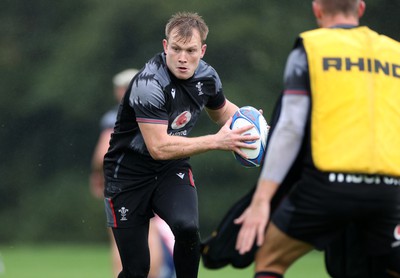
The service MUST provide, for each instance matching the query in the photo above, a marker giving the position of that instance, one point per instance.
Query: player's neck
(330, 21)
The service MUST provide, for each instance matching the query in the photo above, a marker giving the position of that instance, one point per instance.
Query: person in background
(351, 173)
(160, 236)
(147, 167)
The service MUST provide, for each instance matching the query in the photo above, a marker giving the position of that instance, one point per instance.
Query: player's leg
(381, 228)
(115, 259)
(176, 202)
(168, 269)
(167, 244)
(183, 220)
(156, 251)
(134, 250)
(278, 252)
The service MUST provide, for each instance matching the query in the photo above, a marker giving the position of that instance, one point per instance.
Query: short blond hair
(185, 22)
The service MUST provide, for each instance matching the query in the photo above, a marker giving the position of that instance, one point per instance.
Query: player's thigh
(279, 250)
(181, 209)
(133, 245)
(175, 199)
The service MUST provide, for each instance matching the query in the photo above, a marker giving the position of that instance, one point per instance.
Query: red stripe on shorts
(191, 177)
(113, 213)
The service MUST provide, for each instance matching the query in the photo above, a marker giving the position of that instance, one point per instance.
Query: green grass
(80, 261)
(310, 266)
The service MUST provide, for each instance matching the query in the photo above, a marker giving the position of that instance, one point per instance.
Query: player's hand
(256, 217)
(233, 140)
(253, 220)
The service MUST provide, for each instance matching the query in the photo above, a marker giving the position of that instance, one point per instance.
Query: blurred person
(160, 236)
(341, 99)
(147, 166)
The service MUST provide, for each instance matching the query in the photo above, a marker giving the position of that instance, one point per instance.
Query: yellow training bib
(355, 89)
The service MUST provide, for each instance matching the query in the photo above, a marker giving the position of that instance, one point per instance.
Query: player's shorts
(132, 202)
(322, 204)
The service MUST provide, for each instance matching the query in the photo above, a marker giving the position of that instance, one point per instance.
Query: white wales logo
(123, 212)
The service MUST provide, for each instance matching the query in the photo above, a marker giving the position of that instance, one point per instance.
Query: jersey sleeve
(218, 100)
(289, 130)
(148, 101)
(296, 77)
(287, 137)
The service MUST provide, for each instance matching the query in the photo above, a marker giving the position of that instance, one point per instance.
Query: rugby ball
(245, 116)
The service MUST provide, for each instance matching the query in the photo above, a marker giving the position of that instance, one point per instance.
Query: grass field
(77, 261)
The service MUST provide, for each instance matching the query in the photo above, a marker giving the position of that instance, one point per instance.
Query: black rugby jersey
(156, 96)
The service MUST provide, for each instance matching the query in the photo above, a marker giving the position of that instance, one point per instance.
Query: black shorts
(321, 205)
(133, 202)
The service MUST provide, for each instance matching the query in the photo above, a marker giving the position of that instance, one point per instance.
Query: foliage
(57, 59)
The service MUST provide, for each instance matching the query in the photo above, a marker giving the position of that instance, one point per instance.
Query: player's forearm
(286, 139)
(179, 147)
(265, 191)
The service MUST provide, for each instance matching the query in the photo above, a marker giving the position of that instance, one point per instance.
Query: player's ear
(165, 45)
(361, 9)
(316, 7)
(203, 50)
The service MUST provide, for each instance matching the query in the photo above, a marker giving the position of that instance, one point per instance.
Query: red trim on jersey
(113, 213)
(296, 92)
(151, 121)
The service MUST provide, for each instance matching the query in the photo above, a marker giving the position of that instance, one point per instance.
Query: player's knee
(186, 231)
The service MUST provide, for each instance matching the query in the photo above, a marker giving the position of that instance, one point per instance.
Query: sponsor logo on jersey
(199, 87)
(368, 179)
(181, 120)
(361, 64)
(123, 211)
(181, 175)
(179, 133)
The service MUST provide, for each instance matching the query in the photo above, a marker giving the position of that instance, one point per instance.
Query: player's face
(183, 56)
